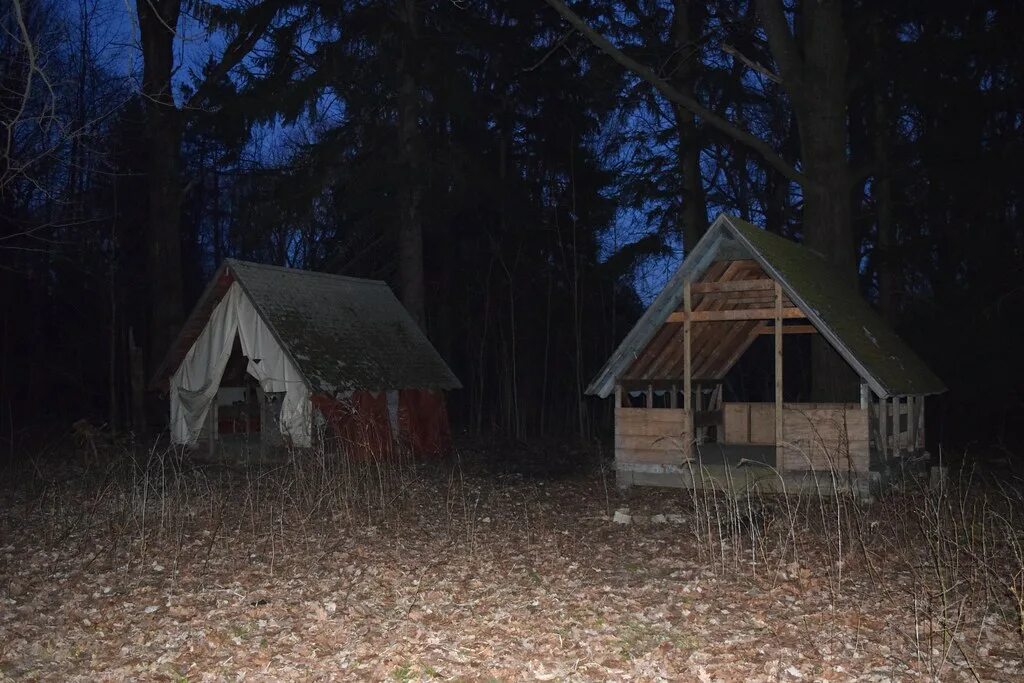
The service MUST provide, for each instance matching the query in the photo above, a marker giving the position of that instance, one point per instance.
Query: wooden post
(779, 436)
(690, 433)
(865, 396)
(687, 361)
(883, 427)
(650, 396)
(911, 424)
(899, 408)
(920, 426)
(673, 400)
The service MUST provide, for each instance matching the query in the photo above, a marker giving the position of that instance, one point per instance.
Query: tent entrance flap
(194, 385)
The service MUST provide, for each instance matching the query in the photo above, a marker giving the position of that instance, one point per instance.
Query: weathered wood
(735, 423)
(652, 435)
(641, 415)
(779, 426)
(787, 329)
(911, 423)
(737, 346)
(670, 360)
(667, 341)
(748, 423)
(710, 359)
(761, 284)
(687, 359)
(825, 439)
(737, 314)
(921, 423)
(762, 423)
(658, 384)
(883, 427)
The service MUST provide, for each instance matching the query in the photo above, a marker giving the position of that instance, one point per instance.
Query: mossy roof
(837, 309)
(342, 333)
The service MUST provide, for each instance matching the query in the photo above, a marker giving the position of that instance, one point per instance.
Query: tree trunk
(813, 63)
(686, 30)
(410, 228)
(820, 104)
(158, 20)
(885, 262)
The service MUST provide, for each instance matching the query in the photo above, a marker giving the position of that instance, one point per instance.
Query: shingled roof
(838, 311)
(342, 333)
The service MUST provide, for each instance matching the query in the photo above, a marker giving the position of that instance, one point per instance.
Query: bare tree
(158, 24)
(31, 131)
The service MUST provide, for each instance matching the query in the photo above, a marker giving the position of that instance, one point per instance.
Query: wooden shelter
(673, 425)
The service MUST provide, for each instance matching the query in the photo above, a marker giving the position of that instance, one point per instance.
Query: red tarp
(362, 426)
(423, 421)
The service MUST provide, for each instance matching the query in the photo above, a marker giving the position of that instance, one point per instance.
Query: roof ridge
(305, 273)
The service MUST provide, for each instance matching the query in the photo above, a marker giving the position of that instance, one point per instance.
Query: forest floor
(438, 574)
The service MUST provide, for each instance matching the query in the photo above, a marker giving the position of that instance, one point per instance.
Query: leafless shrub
(954, 551)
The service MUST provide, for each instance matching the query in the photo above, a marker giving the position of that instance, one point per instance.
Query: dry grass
(149, 567)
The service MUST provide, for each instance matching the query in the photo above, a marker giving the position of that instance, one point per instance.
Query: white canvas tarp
(194, 385)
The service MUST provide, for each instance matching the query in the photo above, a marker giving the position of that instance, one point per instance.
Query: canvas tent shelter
(289, 354)
(739, 284)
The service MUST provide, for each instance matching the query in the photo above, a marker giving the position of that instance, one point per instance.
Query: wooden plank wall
(748, 423)
(821, 436)
(661, 436)
(897, 425)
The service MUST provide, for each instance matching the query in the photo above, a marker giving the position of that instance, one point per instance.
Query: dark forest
(519, 189)
(526, 176)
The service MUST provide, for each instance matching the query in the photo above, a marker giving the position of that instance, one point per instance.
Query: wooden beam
(736, 352)
(759, 285)
(779, 436)
(670, 360)
(747, 299)
(779, 313)
(788, 329)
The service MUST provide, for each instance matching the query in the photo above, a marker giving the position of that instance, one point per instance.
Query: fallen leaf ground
(447, 577)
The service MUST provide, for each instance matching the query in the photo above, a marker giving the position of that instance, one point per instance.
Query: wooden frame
(779, 313)
(779, 435)
(759, 285)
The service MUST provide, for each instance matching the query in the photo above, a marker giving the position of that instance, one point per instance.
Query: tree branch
(751, 64)
(780, 40)
(711, 118)
(236, 51)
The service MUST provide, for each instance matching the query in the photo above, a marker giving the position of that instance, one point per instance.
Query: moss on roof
(343, 333)
(842, 309)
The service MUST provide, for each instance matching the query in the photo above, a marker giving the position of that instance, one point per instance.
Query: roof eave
(266, 321)
(809, 311)
(640, 335)
(163, 373)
